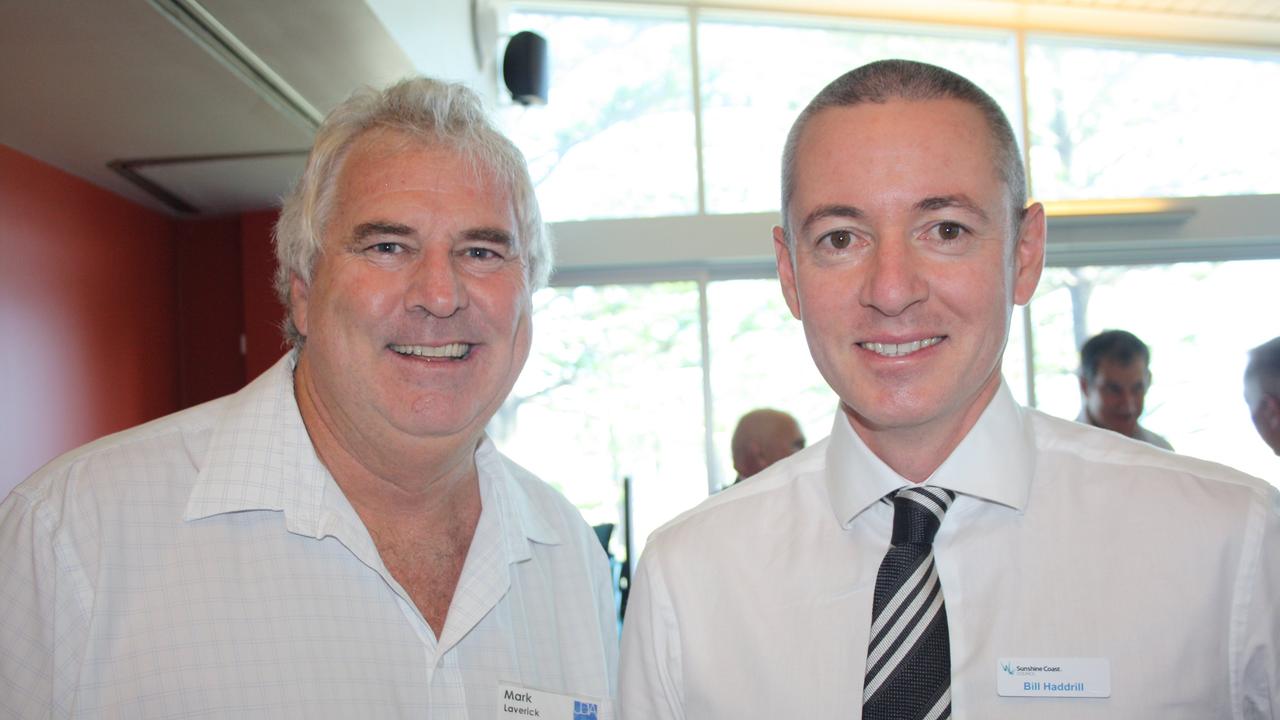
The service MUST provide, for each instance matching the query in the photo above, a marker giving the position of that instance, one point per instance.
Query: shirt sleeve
(41, 620)
(649, 683)
(1258, 623)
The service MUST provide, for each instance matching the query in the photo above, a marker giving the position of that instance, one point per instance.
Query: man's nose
(436, 285)
(893, 282)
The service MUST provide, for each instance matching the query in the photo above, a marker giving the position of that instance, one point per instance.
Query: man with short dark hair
(1115, 374)
(763, 437)
(946, 552)
(339, 539)
(1262, 391)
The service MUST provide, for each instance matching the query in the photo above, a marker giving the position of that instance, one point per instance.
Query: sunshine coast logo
(1007, 668)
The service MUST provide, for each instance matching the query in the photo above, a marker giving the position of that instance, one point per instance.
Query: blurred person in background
(1262, 391)
(762, 438)
(1115, 374)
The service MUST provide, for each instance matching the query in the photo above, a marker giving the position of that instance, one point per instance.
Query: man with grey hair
(1262, 391)
(339, 538)
(944, 551)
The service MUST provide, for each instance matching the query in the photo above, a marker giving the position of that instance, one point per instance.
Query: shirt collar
(261, 458)
(994, 462)
(522, 522)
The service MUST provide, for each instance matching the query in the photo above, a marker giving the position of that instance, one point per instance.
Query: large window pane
(1110, 122)
(616, 138)
(613, 389)
(759, 358)
(759, 72)
(1199, 319)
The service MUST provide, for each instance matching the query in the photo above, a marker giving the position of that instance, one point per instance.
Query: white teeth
(899, 349)
(456, 351)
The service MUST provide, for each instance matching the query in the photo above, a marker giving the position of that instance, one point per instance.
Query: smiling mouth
(899, 349)
(452, 351)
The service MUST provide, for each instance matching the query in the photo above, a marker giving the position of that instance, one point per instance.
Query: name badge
(1053, 677)
(515, 701)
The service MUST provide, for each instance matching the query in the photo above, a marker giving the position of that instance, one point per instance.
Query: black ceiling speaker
(524, 68)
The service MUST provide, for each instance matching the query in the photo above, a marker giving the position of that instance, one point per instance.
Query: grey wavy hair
(433, 112)
(885, 80)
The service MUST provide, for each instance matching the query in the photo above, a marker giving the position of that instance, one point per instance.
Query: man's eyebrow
(960, 201)
(494, 235)
(829, 211)
(380, 227)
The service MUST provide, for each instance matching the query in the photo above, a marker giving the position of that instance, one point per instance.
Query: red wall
(209, 304)
(112, 314)
(262, 312)
(87, 314)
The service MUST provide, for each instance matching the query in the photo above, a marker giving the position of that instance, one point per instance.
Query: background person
(338, 539)
(1115, 374)
(1262, 391)
(763, 437)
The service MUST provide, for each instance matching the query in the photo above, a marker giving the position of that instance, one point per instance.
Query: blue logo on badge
(1007, 667)
(585, 711)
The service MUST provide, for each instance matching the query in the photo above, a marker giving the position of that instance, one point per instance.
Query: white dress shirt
(207, 564)
(1065, 542)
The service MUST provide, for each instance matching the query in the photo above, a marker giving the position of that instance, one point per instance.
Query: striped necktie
(909, 654)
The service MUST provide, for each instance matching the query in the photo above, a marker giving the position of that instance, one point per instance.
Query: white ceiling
(84, 83)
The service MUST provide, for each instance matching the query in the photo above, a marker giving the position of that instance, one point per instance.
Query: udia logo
(1007, 668)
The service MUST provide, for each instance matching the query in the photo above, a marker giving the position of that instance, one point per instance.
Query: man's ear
(786, 271)
(1028, 254)
(298, 296)
(1084, 385)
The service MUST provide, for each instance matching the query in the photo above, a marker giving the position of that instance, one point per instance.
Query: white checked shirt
(206, 564)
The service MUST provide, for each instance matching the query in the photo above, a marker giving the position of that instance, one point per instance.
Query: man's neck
(916, 451)
(390, 475)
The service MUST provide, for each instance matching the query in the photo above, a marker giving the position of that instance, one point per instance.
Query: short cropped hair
(1263, 370)
(885, 80)
(1118, 345)
(430, 111)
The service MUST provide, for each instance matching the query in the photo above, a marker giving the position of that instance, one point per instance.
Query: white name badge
(1053, 677)
(516, 701)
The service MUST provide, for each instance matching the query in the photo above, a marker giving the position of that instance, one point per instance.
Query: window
(616, 137)
(759, 359)
(1199, 319)
(1136, 121)
(758, 73)
(613, 389)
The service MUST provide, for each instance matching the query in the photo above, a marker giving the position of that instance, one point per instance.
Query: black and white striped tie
(909, 654)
